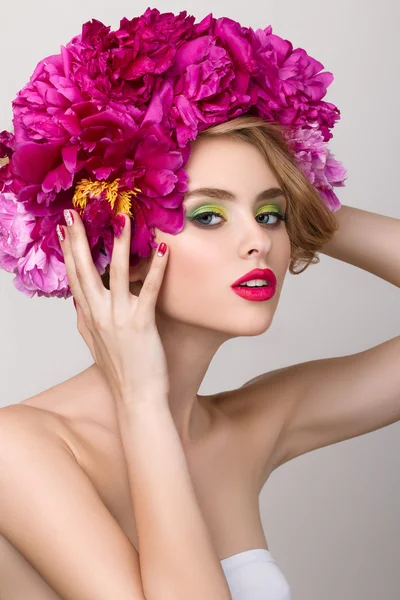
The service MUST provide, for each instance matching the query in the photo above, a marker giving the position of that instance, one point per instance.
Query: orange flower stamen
(120, 201)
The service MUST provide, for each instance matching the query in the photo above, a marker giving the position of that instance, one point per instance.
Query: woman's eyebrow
(219, 194)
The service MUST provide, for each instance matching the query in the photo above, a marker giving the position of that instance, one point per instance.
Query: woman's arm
(177, 558)
(176, 555)
(53, 515)
(369, 241)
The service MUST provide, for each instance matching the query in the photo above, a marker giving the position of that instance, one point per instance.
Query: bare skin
(82, 412)
(196, 313)
(232, 440)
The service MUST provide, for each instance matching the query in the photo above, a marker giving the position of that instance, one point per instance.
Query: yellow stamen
(4, 161)
(120, 201)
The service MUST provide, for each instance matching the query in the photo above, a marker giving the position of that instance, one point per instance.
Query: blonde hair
(310, 224)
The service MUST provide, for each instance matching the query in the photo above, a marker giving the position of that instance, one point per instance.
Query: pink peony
(214, 81)
(317, 163)
(291, 86)
(16, 226)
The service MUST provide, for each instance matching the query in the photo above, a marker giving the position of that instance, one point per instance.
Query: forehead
(228, 163)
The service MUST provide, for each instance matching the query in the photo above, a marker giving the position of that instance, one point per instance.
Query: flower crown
(104, 127)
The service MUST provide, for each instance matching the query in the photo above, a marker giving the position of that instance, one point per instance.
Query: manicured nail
(74, 301)
(69, 217)
(162, 249)
(60, 232)
(122, 221)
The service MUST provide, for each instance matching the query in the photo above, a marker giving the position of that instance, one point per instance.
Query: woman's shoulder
(24, 427)
(80, 413)
(33, 418)
(68, 414)
(91, 442)
(36, 471)
(79, 398)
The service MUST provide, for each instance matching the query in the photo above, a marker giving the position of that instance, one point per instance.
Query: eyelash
(279, 215)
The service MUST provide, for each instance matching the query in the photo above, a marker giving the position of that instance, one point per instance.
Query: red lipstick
(256, 294)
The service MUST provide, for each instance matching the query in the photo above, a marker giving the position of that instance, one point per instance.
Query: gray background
(331, 516)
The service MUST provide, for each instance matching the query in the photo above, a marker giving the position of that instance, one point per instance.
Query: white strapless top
(254, 575)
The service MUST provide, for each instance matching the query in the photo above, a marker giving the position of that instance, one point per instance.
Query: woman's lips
(266, 274)
(255, 294)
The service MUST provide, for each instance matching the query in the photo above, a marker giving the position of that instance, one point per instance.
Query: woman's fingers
(119, 266)
(85, 273)
(149, 293)
(86, 284)
(69, 262)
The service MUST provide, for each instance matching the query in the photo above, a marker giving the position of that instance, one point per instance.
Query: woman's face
(213, 251)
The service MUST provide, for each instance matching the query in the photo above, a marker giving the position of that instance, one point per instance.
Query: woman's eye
(205, 215)
(272, 215)
(268, 221)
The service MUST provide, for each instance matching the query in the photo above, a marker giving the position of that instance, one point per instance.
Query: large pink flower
(291, 85)
(213, 78)
(317, 163)
(150, 163)
(157, 171)
(88, 138)
(123, 65)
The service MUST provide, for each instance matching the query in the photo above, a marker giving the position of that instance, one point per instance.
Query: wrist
(142, 399)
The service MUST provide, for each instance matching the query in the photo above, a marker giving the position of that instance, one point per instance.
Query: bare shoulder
(82, 397)
(262, 407)
(52, 428)
(28, 425)
(80, 410)
(50, 507)
(17, 419)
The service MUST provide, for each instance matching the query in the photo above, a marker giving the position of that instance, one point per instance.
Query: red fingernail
(74, 302)
(122, 221)
(162, 249)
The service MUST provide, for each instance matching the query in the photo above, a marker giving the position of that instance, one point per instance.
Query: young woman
(123, 481)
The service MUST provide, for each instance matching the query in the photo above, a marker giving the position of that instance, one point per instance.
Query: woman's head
(310, 223)
(245, 157)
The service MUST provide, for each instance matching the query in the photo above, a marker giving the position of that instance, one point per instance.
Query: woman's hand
(118, 327)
